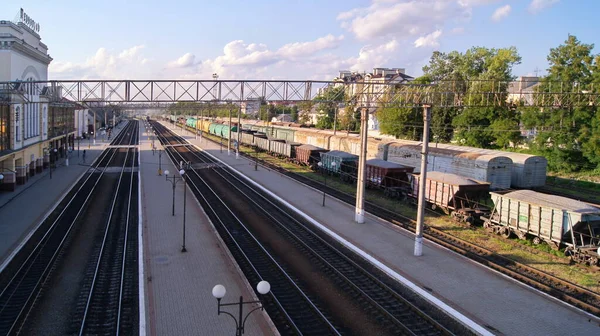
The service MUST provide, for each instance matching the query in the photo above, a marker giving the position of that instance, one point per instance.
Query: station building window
(4, 128)
(61, 121)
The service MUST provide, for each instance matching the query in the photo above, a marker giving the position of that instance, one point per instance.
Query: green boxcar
(211, 128)
(345, 161)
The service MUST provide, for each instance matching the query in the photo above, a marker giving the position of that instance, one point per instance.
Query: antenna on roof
(536, 71)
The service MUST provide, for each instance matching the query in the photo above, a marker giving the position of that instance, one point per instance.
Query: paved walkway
(22, 210)
(179, 285)
(490, 299)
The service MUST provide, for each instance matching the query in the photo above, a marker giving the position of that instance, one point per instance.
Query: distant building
(365, 87)
(251, 106)
(282, 118)
(30, 125)
(522, 90)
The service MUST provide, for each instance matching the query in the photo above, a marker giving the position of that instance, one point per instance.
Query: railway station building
(31, 126)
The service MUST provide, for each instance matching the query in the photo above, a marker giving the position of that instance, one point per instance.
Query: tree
(569, 135)
(487, 70)
(328, 102)
(294, 113)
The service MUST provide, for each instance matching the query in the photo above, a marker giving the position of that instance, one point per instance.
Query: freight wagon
(455, 195)
(528, 171)
(309, 155)
(553, 219)
(340, 163)
(492, 168)
(392, 177)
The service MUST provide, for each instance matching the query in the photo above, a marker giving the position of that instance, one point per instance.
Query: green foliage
(327, 105)
(401, 122)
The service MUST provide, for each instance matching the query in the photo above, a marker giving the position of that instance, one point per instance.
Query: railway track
(564, 290)
(107, 304)
(24, 279)
(343, 293)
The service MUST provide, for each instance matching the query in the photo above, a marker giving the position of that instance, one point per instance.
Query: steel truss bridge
(153, 94)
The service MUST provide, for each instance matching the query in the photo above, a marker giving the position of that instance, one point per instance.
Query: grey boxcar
(554, 219)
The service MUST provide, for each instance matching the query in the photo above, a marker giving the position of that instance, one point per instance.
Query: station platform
(178, 286)
(22, 210)
(493, 301)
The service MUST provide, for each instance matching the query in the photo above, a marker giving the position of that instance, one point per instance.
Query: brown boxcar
(456, 195)
(309, 155)
(385, 174)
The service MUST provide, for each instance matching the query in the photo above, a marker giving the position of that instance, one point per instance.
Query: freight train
(475, 176)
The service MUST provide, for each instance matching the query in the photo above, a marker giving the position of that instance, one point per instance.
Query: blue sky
(293, 39)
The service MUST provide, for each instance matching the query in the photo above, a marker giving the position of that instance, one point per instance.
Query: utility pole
(239, 131)
(229, 131)
(362, 162)
(422, 182)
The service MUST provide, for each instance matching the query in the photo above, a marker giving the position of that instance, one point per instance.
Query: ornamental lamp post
(173, 179)
(219, 292)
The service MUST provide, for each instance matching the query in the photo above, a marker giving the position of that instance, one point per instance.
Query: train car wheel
(506, 232)
(593, 261)
(568, 252)
(433, 206)
(537, 240)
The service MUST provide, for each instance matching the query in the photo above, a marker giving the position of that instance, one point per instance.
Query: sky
(292, 39)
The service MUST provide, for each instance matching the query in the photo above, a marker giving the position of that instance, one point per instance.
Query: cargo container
(309, 155)
(285, 149)
(385, 174)
(553, 219)
(345, 163)
(493, 168)
(455, 195)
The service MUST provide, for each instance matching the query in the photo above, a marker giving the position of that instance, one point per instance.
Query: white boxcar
(554, 219)
(493, 168)
(528, 171)
(262, 143)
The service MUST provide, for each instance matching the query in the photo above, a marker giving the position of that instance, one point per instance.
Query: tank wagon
(553, 219)
(455, 195)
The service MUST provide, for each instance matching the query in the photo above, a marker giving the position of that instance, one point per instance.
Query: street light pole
(159, 162)
(219, 292)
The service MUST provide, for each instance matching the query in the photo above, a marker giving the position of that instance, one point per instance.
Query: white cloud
(184, 61)
(501, 13)
(457, 30)
(373, 56)
(405, 18)
(299, 49)
(103, 64)
(253, 60)
(430, 40)
(538, 5)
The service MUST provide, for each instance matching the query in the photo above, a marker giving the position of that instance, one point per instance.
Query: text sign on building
(29, 22)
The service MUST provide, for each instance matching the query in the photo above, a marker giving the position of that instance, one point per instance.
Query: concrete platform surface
(496, 302)
(179, 285)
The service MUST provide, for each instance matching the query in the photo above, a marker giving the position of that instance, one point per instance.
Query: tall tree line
(567, 135)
